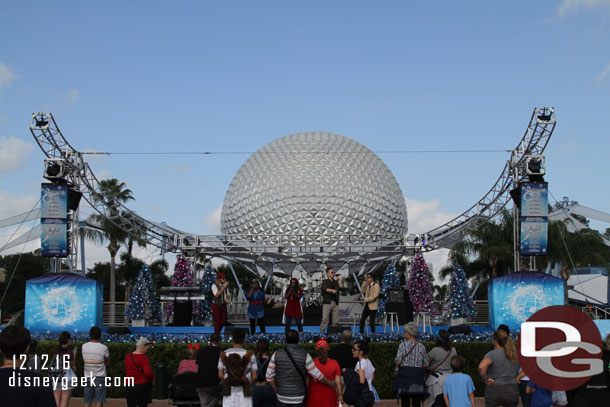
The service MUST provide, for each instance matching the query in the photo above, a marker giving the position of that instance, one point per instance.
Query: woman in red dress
(293, 305)
(320, 394)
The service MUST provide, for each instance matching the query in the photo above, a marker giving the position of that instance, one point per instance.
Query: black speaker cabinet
(404, 310)
(183, 313)
(230, 329)
(118, 330)
(460, 329)
(330, 330)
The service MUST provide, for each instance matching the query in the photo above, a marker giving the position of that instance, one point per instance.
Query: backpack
(357, 394)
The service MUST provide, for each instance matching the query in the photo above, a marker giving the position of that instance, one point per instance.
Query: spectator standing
(498, 370)
(458, 388)
(411, 360)
(14, 342)
(95, 357)
(219, 302)
(262, 392)
(342, 353)
(190, 363)
(541, 397)
(370, 294)
(62, 386)
(287, 372)
(34, 361)
(526, 398)
(137, 366)
(293, 310)
(209, 386)
(320, 394)
(440, 367)
(256, 307)
(364, 365)
(238, 396)
(330, 299)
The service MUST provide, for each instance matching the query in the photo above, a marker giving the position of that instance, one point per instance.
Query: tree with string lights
(203, 312)
(143, 304)
(460, 303)
(182, 278)
(420, 286)
(390, 280)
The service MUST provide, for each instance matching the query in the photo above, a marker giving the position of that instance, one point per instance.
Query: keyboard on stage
(181, 294)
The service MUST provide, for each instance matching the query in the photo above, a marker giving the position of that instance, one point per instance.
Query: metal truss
(534, 141)
(358, 253)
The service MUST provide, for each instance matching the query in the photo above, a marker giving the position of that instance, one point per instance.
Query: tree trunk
(113, 249)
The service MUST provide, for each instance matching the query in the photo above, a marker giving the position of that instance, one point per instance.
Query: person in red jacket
(138, 367)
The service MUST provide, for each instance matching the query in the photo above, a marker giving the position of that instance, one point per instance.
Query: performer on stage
(330, 299)
(370, 295)
(293, 308)
(256, 309)
(219, 302)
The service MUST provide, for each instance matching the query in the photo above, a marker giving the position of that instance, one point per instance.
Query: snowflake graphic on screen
(61, 306)
(526, 299)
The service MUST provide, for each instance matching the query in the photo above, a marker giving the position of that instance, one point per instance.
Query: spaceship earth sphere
(314, 184)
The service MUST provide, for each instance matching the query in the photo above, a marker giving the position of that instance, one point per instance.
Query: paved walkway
(78, 402)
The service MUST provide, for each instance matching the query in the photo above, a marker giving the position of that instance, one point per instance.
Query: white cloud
(424, 216)
(72, 96)
(13, 153)
(213, 221)
(568, 6)
(601, 77)
(6, 75)
(11, 205)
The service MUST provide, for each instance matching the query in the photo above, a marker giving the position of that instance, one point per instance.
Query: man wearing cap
(219, 302)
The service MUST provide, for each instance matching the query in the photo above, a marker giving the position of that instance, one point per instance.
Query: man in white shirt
(96, 357)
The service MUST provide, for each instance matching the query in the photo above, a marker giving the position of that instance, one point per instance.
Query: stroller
(183, 390)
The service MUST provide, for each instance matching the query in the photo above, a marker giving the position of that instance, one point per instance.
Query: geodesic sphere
(312, 184)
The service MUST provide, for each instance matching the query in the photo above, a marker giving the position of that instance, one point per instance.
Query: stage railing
(119, 314)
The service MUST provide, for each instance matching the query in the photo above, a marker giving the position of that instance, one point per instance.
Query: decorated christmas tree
(420, 286)
(203, 312)
(143, 304)
(390, 280)
(458, 295)
(182, 278)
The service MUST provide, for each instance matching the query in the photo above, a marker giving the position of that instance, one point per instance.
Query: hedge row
(165, 357)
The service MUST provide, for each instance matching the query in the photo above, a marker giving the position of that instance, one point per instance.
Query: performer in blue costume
(256, 310)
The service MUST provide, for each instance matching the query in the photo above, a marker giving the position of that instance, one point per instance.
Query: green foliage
(25, 267)
(169, 355)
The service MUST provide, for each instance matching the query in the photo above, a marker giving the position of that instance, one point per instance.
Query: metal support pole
(81, 235)
(268, 280)
(356, 280)
(241, 290)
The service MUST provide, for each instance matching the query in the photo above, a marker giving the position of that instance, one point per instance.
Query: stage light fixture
(54, 170)
(41, 120)
(535, 165)
(544, 115)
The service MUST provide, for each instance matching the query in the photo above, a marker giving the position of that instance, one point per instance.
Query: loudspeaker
(331, 330)
(230, 329)
(403, 309)
(74, 197)
(460, 329)
(118, 330)
(396, 295)
(183, 313)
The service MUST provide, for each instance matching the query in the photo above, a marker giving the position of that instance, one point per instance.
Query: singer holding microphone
(256, 310)
(330, 299)
(370, 295)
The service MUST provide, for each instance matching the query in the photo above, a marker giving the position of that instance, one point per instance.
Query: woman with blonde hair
(499, 369)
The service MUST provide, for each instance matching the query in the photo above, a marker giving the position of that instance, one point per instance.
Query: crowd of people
(290, 377)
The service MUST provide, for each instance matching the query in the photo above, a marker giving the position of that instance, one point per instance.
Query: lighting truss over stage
(355, 250)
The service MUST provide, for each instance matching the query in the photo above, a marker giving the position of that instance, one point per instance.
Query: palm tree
(112, 193)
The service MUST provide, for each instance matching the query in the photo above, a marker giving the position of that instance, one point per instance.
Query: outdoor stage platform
(202, 330)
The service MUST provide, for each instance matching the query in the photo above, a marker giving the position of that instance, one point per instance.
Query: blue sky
(233, 76)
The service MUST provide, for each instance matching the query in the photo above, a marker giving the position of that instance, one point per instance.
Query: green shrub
(165, 358)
